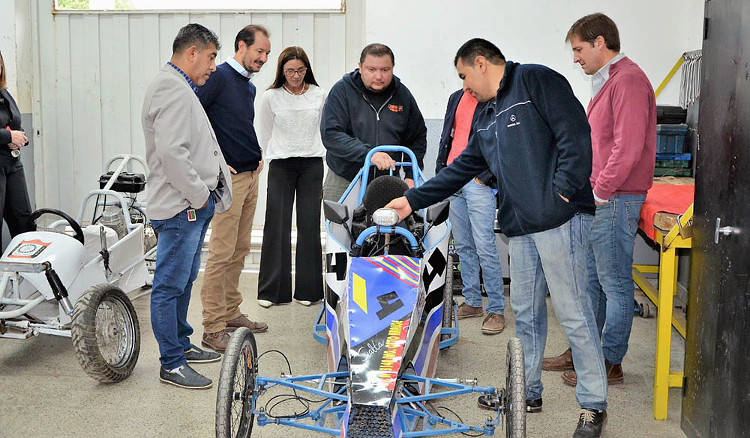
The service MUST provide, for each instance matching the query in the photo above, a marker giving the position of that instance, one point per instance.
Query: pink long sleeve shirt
(622, 116)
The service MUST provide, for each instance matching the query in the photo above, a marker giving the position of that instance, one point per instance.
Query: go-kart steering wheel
(72, 222)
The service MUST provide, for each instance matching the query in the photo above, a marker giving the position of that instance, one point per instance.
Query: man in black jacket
(534, 137)
(472, 214)
(369, 107)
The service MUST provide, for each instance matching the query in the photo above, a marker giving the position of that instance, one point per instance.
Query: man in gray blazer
(188, 181)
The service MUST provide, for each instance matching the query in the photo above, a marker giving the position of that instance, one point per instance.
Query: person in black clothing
(15, 207)
(369, 107)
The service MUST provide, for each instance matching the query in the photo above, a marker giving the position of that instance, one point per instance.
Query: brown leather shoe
(563, 362)
(493, 324)
(467, 311)
(614, 375)
(217, 341)
(242, 321)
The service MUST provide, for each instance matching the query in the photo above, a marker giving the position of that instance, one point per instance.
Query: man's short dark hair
(469, 51)
(378, 50)
(247, 35)
(196, 35)
(590, 27)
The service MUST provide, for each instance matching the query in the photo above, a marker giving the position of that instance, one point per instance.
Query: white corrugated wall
(92, 69)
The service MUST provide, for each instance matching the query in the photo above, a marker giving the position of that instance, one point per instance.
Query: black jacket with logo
(351, 125)
(535, 138)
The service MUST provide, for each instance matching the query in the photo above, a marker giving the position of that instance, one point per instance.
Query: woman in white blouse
(289, 124)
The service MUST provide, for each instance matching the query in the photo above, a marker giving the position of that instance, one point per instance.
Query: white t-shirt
(289, 125)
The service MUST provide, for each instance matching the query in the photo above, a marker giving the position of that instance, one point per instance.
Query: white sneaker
(265, 303)
(305, 303)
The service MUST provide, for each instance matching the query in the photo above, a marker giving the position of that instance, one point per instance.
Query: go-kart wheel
(234, 415)
(514, 400)
(72, 222)
(106, 335)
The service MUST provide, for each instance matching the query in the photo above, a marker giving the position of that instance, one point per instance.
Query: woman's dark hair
(3, 84)
(289, 54)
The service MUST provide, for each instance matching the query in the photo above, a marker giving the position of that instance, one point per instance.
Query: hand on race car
(402, 207)
(383, 161)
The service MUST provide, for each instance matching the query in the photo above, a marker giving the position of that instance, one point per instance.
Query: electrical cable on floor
(288, 397)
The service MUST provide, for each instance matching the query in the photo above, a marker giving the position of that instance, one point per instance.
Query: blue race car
(388, 311)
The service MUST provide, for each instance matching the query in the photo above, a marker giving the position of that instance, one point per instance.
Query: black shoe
(532, 406)
(185, 377)
(196, 355)
(590, 423)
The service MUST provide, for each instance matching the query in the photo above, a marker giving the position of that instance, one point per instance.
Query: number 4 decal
(389, 303)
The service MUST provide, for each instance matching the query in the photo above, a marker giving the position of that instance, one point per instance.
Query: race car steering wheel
(72, 222)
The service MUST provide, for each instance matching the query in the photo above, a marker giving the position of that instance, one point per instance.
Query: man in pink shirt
(622, 115)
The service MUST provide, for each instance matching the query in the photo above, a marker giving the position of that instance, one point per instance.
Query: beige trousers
(227, 249)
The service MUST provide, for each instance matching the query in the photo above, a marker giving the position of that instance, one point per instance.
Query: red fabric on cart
(664, 198)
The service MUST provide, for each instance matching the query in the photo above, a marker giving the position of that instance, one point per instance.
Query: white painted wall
(82, 75)
(92, 69)
(425, 36)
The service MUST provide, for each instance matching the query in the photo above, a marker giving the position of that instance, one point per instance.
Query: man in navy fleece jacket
(534, 137)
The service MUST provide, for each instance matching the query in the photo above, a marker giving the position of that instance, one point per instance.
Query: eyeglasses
(291, 73)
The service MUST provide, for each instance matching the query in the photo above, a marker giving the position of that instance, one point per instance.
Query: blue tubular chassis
(384, 319)
(411, 407)
(449, 335)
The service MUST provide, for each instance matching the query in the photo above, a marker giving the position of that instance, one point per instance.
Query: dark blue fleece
(534, 137)
(228, 98)
(351, 125)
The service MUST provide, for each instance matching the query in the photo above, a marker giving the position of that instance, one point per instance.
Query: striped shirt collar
(187, 78)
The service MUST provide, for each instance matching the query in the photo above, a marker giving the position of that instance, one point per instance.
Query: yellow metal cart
(663, 298)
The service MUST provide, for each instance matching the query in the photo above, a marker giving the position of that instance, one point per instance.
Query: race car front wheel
(515, 391)
(105, 333)
(234, 414)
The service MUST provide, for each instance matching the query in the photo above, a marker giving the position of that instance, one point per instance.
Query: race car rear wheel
(514, 401)
(105, 333)
(234, 415)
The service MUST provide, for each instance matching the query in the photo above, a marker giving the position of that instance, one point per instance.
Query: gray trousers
(334, 186)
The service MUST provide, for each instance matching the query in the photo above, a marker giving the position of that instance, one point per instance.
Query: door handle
(725, 231)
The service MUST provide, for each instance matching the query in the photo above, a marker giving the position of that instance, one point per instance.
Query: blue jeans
(555, 260)
(472, 215)
(178, 258)
(610, 273)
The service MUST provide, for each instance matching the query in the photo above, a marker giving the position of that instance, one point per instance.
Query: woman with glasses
(289, 127)
(15, 207)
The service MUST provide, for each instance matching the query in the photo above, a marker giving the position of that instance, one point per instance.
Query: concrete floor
(44, 392)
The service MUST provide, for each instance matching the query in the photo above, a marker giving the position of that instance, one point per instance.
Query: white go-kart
(69, 281)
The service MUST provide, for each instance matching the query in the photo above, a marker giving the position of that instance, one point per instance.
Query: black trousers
(287, 177)
(15, 207)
